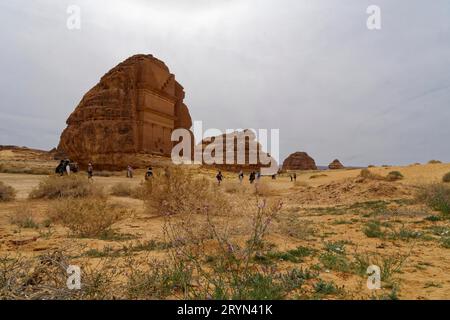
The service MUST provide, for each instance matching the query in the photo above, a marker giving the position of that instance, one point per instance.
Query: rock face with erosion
(129, 115)
(299, 161)
(336, 164)
(239, 150)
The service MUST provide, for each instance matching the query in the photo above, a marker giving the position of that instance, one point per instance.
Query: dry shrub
(62, 187)
(394, 176)
(367, 174)
(263, 189)
(176, 191)
(234, 187)
(87, 217)
(434, 162)
(446, 177)
(436, 196)
(24, 217)
(45, 278)
(7, 193)
(315, 176)
(122, 189)
(230, 266)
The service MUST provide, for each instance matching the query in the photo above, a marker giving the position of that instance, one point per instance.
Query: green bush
(436, 196)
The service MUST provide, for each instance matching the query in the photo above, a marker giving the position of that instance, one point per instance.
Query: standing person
(149, 173)
(274, 176)
(258, 175)
(290, 176)
(129, 172)
(68, 167)
(295, 177)
(219, 177)
(90, 171)
(241, 176)
(60, 168)
(252, 177)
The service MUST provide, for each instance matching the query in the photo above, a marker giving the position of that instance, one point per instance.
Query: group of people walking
(252, 176)
(66, 167)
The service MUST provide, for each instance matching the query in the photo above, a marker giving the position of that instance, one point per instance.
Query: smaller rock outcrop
(299, 161)
(336, 164)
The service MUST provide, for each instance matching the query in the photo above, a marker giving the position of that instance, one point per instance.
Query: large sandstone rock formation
(336, 164)
(131, 112)
(299, 161)
(240, 151)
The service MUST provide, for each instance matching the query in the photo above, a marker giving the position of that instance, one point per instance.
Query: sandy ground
(316, 211)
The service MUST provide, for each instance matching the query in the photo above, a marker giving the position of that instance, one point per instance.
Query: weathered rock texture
(336, 164)
(131, 112)
(299, 161)
(237, 143)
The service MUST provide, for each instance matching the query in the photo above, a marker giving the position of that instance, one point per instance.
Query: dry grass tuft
(436, 196)
(86, 217)
(54, 187)
(122, 189)
(394, 176)
(446, 177)
(7, 193)
(24, 217)
(176, 191)
(263, 189)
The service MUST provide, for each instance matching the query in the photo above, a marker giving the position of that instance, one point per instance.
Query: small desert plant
(45, 278)
(367, 174)
(234, 187)
(434, 162)
(7, 193)
(436, 196)
(394, 176)
(122, 189)
(87, 217)
(315, 176)
(176, 191)
(262, 189)
(325, 288)
(335, 261)
(54, 187)
(446, 177)
(24, 217)
(446, 242)
(373, 229)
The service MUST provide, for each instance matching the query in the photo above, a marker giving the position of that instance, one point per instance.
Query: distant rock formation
(239, 142)
(336, 164)
(131, 112)
(299, 161)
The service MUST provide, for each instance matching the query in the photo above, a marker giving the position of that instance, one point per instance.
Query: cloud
(310, 68)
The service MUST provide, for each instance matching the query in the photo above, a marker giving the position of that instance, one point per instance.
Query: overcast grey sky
(308, 67)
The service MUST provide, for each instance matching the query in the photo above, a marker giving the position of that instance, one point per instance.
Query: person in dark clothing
(252, 177)
(219, 177)
(60, 168)
(149, 173)
(295, 176)
(290, 176)
(241, 176)
(274, 176)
